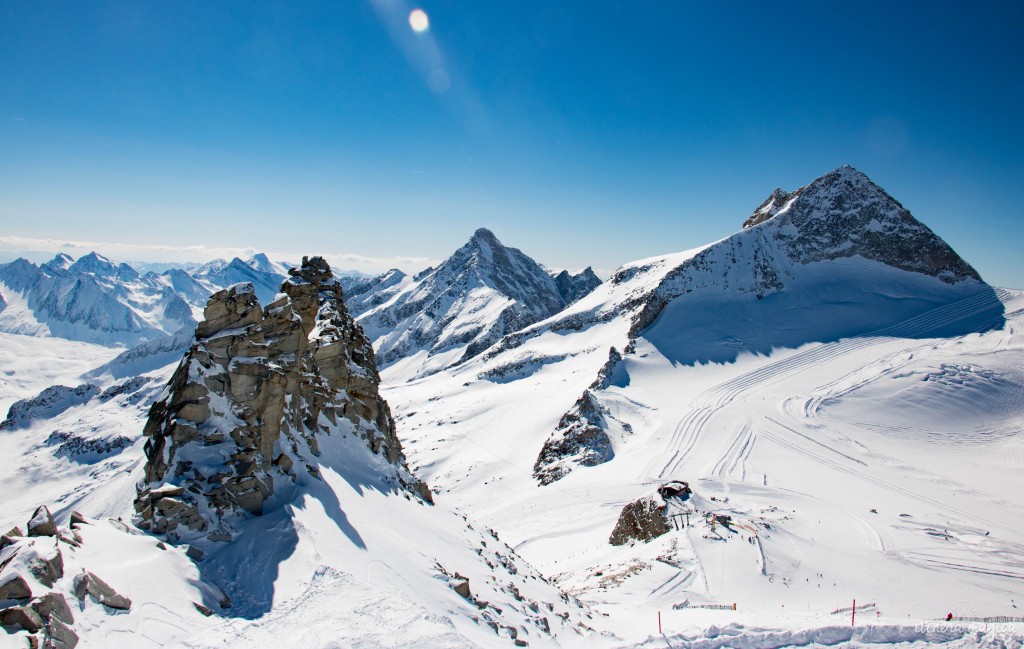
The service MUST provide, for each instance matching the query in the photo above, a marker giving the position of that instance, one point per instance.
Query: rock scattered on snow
(87, 583)
(22, 617)
(42, 523)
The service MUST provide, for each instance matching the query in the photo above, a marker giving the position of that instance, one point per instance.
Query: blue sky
(584, 133)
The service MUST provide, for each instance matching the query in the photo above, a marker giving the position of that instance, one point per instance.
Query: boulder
(42, 523)
(88, 583)
(48, 569)
(53, 606)
(14, 586)
(59, 635)
(77, 519)
(22, 617)
(461, 586)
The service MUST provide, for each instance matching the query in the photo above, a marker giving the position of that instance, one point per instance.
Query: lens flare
(418, 21)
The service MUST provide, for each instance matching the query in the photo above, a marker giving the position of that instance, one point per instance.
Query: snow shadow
(718, 327)
(246, 569)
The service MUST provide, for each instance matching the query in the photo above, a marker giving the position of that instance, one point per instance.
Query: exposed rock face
(239, 421)
(579, 440)
(641, 520)
(89, 584)
(573, 287)
(51, 401)
(646, 518)
(843, 214)
(769, 208)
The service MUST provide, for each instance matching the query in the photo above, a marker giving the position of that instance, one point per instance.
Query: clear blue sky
(584, 133)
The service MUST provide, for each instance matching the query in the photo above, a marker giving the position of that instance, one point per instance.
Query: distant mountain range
(95, 300)
(439, 317)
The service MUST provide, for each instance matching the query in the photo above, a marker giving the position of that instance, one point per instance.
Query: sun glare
(418, 21)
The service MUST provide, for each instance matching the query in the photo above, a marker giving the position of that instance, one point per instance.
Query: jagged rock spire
(239, 422)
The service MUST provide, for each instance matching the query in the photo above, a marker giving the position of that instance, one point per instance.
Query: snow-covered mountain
(447, 315)
(830, 381)
(265, 276)
(95, 300)
(731, 442)
(280, 505)
(91, 300)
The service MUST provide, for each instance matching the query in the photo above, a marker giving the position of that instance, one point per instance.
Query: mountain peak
(93, 263)
(485, 236)
(61, 261)
(844, 213)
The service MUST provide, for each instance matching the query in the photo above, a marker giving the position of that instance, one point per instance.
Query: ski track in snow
(688, 431)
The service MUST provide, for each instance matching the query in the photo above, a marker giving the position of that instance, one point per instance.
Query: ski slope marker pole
(659, 623)
(853, 614)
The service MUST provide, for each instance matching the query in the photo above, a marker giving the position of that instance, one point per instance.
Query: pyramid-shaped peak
(92, 263)
(61, 261)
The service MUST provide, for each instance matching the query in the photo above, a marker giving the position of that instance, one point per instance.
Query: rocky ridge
(238, 425)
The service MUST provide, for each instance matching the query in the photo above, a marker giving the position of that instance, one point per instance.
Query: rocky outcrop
(579, 440)
(647, 518)
(769, 208)
(641, 520)
(49, 403)
(573, 287)
(238, 425)
(87, 583)
(581, 437)
(34, 564)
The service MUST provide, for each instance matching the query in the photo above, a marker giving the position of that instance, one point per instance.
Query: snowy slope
(800, 378)
(446, 315)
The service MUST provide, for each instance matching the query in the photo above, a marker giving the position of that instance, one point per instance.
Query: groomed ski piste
(882, 467)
